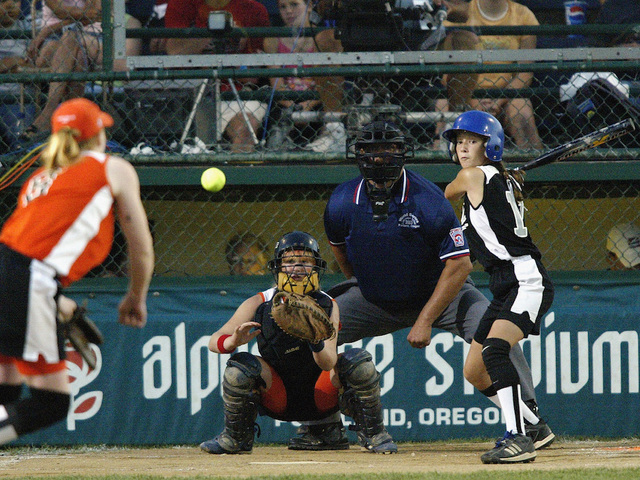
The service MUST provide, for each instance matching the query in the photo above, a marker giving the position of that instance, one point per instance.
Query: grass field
(456, 460)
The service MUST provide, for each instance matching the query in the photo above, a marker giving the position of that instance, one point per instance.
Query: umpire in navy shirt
(398, 240)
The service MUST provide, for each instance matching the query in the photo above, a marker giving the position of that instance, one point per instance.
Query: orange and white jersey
(64, 217)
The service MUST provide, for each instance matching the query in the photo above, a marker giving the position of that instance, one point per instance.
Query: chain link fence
(167, 119)
(569, 222)
(304, 110)
(170, 117)
(197, 233)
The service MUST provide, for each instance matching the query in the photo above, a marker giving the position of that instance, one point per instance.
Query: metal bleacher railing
(571, 206)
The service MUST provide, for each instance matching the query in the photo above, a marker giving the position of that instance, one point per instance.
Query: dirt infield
(265, 461)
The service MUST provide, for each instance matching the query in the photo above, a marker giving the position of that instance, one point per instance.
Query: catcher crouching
(298, 375)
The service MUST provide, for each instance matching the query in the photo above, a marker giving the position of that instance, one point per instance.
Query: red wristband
(221, 340)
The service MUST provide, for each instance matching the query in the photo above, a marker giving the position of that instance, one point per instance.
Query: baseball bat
(592, 140)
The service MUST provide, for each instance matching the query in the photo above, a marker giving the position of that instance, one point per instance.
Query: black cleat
(540, 434)
(328, 436)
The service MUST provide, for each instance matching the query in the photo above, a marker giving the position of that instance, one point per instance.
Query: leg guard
(43, 408)
(241, 399)
(495, 354)
(361, 400)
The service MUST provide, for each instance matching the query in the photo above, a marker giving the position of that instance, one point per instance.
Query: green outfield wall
(160, 385)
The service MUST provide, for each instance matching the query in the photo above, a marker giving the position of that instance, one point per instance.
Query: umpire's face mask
(381, 166)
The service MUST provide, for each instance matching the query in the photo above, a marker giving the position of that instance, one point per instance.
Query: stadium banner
(161, 385)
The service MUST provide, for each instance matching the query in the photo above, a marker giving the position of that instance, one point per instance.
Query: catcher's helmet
(380, 132)
(480, 123)
(288, 280)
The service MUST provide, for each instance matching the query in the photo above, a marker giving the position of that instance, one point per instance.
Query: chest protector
(280, 350)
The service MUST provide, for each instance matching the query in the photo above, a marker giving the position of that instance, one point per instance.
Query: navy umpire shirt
(397, 262)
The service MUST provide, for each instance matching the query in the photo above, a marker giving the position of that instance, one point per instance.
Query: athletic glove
(81, 331)
(301, 317)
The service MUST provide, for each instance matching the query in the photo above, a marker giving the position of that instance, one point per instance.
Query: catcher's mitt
(300, 316)
(81, 331)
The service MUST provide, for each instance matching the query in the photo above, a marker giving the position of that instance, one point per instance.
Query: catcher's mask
(480, 123)
(380, 149)
(290, 268)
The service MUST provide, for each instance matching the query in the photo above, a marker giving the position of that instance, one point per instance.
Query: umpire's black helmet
(380, 132)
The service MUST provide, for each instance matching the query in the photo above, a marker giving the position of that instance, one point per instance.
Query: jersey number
(39, 185)
(518, 214)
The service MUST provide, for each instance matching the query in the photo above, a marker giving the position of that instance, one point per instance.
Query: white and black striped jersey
(495, 229)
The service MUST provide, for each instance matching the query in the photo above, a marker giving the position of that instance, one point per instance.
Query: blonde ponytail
(63, 149)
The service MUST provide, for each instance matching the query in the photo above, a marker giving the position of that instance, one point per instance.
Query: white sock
(527, 413)
(509, 398)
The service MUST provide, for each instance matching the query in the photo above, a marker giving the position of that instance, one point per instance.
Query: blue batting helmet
(480, 123)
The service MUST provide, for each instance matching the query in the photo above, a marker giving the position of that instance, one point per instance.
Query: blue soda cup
(576, 14)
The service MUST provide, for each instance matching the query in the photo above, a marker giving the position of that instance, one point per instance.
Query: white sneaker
(198, 146)
(333, 139)
(142, 149)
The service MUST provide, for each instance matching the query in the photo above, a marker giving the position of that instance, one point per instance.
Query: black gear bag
(597, 104)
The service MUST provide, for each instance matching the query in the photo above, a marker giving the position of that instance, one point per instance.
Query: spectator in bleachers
(15, 111)
(617, 12)
(10, 60)
(57, 15)
(296, 14)
(515, 113)
(71, 38)
(143, 14)
(245, 13)
(623, 247)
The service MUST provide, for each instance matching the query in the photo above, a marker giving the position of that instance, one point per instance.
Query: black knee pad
(489, 392)
(495, 354)
(43, 408)
(243, 372)
(356, 369)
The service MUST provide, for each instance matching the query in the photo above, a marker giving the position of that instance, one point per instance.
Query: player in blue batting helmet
(494, 227)
(480, 123)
